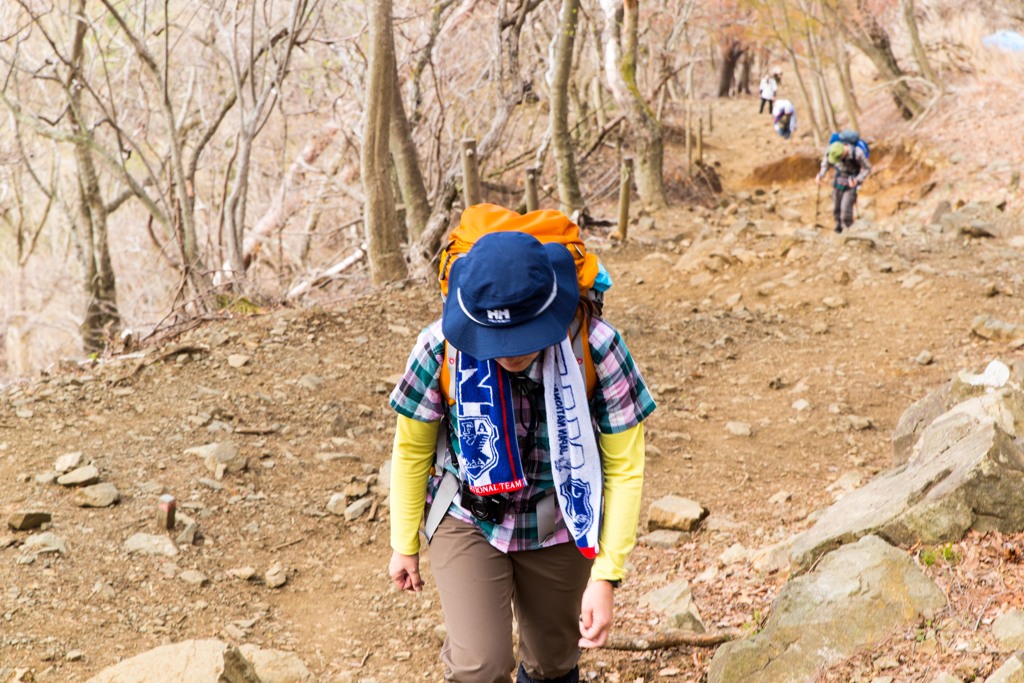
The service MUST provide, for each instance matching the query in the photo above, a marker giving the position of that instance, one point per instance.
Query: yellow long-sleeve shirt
(622, 467)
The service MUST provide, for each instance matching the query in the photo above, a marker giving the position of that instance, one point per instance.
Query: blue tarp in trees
(1008, 41)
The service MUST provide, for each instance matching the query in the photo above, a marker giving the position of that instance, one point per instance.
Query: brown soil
(776, 315)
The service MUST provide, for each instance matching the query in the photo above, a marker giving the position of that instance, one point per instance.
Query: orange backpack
(547, 225)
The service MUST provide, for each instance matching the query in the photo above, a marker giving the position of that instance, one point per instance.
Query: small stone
(68, 462)
(150, 544)
(738, 428)
(860, 423)
(924, 358)
(310, 382)
(83, 476)
(834, 302)
(237, 360)
(194, 577)
(189, 533)
(734, 554)
(666, 539)
(243, 573)
(46, 542)
(336, 504)
(28, 520)
(358, 508)
(97, 496)
(276, 576)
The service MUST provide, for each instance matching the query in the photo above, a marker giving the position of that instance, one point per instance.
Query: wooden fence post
(689, 134)
(625, 183)
(532, 203)
(700, 139)
(470, 174)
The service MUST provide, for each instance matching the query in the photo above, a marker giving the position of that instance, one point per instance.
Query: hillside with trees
(221, 222)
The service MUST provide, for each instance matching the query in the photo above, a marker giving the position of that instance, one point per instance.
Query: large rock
(966, 472)
(277, 666)
(191, 661)
(853, 600)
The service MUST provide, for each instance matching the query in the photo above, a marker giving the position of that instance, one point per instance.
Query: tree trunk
(102, 319)
(234, 209)
(597, 102)
(920, 55)
(731, 53)
(828, 114)
(382, 230)
(569, 196)
(620, 68)
(407, 167)
(843, 71)
(871, 38)
(788, 44)
(746, 66)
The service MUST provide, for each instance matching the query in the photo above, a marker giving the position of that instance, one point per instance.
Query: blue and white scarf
(489, 453)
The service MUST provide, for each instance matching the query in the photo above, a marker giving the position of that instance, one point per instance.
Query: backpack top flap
(547, 225)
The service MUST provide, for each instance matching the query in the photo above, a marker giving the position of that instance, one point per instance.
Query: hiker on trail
(550, 546)
(851, 168)
(784, 118)
(769, 85)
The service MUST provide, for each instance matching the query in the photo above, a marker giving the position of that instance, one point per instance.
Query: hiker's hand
(405, 572)
(853, 183)
(596, 614)
(817, 179)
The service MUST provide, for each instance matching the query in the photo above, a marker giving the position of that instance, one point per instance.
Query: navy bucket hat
(509, 296)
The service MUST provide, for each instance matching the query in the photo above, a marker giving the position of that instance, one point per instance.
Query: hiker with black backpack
(848, 154)
(533, 490)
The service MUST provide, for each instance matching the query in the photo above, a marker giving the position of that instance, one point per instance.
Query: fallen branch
(671, 638)
(326, 276)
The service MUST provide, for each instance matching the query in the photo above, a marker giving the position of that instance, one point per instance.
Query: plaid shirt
(621, 401)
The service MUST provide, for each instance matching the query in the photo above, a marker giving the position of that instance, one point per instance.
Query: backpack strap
(581, 350)
(443, 498)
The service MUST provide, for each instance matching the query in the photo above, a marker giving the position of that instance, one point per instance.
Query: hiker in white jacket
(769, 85)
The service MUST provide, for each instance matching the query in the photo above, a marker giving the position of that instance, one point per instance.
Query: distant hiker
(784, 118)
(535, 528)
(850, 161)
(769, 85)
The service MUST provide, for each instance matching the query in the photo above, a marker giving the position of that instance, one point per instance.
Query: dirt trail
(809, 339)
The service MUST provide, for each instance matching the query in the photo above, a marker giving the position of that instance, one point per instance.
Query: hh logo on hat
(499, 315)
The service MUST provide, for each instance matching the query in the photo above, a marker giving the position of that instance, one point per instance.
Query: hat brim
(547, 329)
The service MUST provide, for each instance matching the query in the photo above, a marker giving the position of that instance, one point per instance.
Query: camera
(485, 508)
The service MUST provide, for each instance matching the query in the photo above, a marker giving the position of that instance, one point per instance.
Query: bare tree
(920, 54)
(862, 27)
(620, 62)
(731, 52)
(511, 87)
(569, 196)
(407, 166)
(256, 91)
(382, 234)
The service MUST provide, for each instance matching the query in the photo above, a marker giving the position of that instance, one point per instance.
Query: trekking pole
(817, 202)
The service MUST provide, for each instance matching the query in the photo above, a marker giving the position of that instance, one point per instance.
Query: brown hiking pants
(481, 587)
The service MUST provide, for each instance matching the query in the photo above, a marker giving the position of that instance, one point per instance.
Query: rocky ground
(781, 356)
